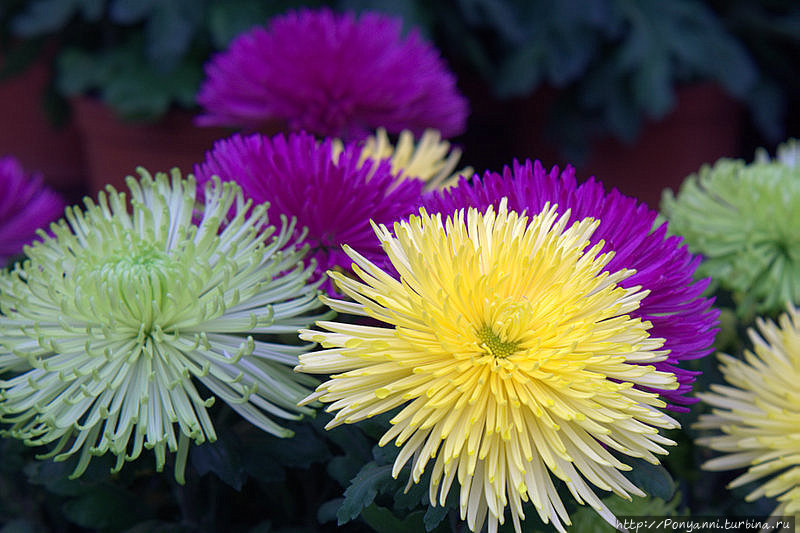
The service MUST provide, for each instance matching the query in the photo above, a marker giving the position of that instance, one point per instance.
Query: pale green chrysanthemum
(745, 222)
(757, 414)
(110, 323)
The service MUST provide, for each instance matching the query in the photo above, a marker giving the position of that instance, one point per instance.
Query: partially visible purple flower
(333, 197)
(675, 307)
(26, 204)
(333, 74)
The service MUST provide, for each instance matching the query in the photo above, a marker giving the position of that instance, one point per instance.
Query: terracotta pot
(705, 125)
(114, 148)
(29, 135)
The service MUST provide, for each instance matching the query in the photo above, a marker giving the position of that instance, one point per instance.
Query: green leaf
(382, 520)
(43, 17)
(654, 480)
(227, 19)
(130, 11)
(170, 30)
(78, 72)
(223, 458)
(327, 511)
(107, 507)
(21, 526)
(92, 9)
(363, 489)
(159, 526)
(304, 448)
(521, 72)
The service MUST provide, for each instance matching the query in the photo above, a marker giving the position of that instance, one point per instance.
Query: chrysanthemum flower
(745, 222)
(664, 267)
(26, 205)
(333, 74)
(512, 353)
(758, 414)
(112, 322)
(430, 159)
(333, 197)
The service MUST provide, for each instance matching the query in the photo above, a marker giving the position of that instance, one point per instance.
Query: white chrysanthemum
(109, 325)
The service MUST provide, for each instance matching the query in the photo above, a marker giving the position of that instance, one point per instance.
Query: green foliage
(618, 62)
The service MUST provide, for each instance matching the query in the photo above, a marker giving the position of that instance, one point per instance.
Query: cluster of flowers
(528, 331)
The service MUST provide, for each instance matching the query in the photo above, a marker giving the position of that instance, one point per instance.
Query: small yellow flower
(758, 414)
(512, 355)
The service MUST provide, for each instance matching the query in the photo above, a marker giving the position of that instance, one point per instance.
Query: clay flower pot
(114, 148)
(29, 135)
(704, 126)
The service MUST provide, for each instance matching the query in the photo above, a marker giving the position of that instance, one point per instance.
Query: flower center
(494, 343)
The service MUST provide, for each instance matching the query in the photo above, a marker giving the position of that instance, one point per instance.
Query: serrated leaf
(343, 468)
(43, 17)
(92, 10)
(520, 72)
(327, 511)
(130, 11)
(654, 480)
(227, 19)
(434, 515)
(106, 507)
(21, 526)
(223, 458)
(370, 480)
(169, 32)
(77, 72)
(304, 448)
(382, 520)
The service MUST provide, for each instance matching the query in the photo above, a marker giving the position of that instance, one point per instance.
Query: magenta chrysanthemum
(333, 197)
(333, 74)
(675, 307)
(26, 205)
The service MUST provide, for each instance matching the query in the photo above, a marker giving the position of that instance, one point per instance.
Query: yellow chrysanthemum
(759, 414)
(430, 160)
(512, 354)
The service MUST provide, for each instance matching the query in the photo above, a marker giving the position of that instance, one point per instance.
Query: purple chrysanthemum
(333, 74)
(333, 197)
(675, 307)
(26, 205)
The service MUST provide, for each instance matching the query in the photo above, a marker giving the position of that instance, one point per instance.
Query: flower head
(26, 205)
(674, 305)
(743, 219)
(430, 159)
(111, 323)
(333, 74)
(333, 197)
(757, 414)
(512, 353)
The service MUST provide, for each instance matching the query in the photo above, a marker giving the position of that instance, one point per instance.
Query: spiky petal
(757, 414)
(111, 323)
(26, 205)
(743, 219)
(334, 197)
(333, 74)
(675, 305)
(512, 354)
